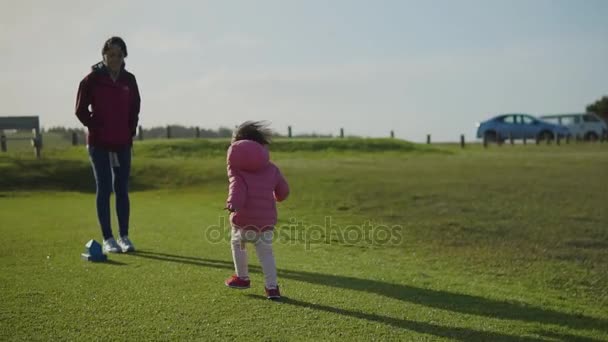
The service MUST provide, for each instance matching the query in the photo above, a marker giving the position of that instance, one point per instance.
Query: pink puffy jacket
(256, 184)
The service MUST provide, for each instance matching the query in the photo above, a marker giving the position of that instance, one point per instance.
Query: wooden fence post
(428, 139)
(462, 141)
(140, 133)
(168, 131)
(3, 142)
(289, 132)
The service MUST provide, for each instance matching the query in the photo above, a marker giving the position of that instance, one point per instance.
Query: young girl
(256, 184)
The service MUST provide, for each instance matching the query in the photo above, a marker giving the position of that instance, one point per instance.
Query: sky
(415, 67)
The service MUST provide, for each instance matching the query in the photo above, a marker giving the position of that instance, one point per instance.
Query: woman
(112, 94)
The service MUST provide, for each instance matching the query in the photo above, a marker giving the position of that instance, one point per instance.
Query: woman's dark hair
(114, 41)
(257, 131)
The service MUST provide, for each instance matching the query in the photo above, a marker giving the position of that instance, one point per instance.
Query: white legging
(263, 248)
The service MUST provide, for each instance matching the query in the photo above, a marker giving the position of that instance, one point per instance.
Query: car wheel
(545, 136)
(490, 136)
(591, 136)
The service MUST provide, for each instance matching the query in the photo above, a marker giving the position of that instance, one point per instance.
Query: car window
(590, 118)
(551, 120)
(527, 120)
(569, 120)
(510, 119)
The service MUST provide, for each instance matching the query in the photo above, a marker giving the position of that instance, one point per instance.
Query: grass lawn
(379, 240)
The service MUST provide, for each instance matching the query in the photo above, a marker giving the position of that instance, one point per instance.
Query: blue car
(519, 126)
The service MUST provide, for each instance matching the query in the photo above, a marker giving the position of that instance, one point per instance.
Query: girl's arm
(281, 191)
(237, 190)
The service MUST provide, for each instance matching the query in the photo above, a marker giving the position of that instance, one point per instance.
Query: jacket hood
(248, 155)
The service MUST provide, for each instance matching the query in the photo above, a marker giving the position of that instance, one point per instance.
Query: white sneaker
(110, 246)
(125, 244)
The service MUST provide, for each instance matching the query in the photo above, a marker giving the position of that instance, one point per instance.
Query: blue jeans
(111, 172)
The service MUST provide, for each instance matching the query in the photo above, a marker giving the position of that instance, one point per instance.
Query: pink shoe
(273, 293)
(237, 283)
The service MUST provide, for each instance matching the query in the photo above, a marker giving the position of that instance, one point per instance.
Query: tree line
(176, 132)
(600, 108)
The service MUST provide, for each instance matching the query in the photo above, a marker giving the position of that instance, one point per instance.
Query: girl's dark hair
(114, 41)
(257, 131)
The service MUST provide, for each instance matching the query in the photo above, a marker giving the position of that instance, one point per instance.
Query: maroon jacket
(112, 123)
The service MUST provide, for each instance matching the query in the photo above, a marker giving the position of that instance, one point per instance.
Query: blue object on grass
(93, 252)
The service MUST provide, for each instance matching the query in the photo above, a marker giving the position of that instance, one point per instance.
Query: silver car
(587, 126)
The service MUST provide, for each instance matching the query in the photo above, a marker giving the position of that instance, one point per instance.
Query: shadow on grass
(113, 263)
(462, 334)
(566, 337)
(444, 300)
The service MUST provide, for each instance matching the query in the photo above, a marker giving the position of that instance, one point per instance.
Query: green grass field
(380, 240)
